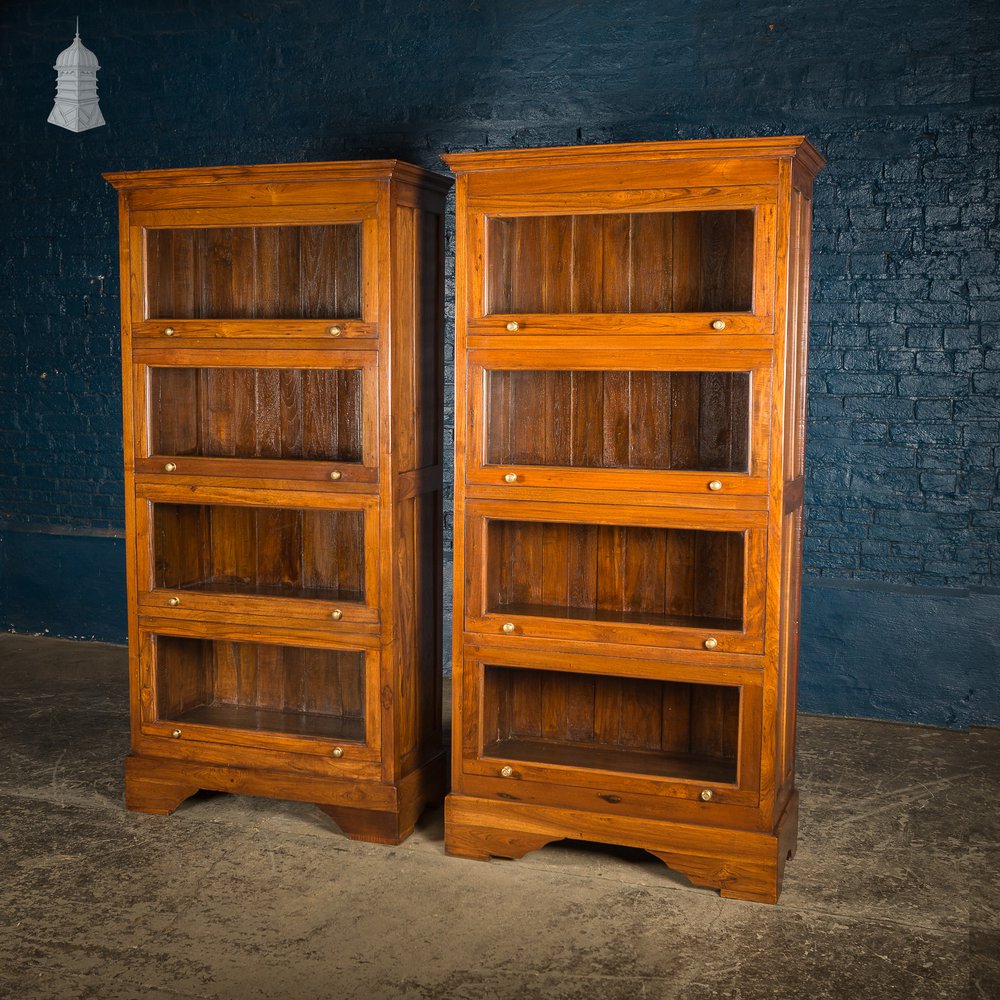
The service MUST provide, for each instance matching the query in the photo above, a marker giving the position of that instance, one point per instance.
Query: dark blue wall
(904, 432)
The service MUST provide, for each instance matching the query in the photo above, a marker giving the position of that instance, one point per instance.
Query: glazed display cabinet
(630, 409)
(282, 373)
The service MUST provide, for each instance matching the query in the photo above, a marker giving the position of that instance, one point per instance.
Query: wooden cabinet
(630, 400)
(282, 367)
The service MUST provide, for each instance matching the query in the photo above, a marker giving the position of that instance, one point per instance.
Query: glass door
(271, 416)
(563, 719)
(672, 578)
(234, 555)
(290, 273)
(695, 422)
(652, 262)
(270, 694)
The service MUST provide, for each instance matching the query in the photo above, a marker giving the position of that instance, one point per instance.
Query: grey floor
(893, 892)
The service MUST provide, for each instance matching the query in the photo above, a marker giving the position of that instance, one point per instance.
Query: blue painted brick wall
(900, 96)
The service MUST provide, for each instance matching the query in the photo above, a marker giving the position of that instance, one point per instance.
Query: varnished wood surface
(282, 341)
(607, 301)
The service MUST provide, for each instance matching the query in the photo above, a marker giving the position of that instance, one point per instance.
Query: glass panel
(259, 551)
(254, 272)
(256, 413)
(626, 724)
(619, 420)
(615, 573)
(249, 685)
(646, 262)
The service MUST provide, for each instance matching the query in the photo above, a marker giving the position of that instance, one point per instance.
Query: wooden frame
(241, 321)
(525, 787)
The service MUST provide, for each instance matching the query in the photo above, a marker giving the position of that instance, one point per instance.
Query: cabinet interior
(258, 686)
(616, 573)
(259, 551)
(619, 419)
(254, 272)
(638, 726)
(639, 262)
(300, 413)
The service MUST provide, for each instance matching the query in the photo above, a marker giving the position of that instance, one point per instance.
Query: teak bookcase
(630, 409)
(282, 368)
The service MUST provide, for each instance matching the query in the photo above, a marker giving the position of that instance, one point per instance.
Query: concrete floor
(893, 892)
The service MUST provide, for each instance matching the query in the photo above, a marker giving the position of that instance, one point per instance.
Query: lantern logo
(76, 106)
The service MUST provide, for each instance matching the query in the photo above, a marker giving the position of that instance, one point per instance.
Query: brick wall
(901, 97)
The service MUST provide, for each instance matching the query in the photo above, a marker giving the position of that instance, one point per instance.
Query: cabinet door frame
(203, 741)
(743, 792)
(759, 320)
(220, 331)
(753, 482)
(226, 607)
(150, 465)
(480, 620)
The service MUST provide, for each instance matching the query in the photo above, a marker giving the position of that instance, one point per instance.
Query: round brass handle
(506, 771)
(513, 326)
(336, 474)
(715, 485)
(169, 466)
(168, 331)
(508, 627)
(335, 331)
(511, 477)
(718, 324)
(173, 601)
(176, 734)
(711, 642)
(336, 614)
(706, 795)
(337, 752)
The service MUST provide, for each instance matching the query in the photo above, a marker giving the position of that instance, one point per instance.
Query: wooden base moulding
(376, 814)
(740, 864)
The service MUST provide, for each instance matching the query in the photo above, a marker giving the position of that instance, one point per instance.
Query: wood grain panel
(261, 551)
(639, 262)
(254, 272)
(621, 573)
(649, 420)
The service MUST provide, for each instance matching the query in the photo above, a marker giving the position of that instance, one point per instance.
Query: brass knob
(168, 331)
(715, 486)
(718, 324)
(513, 326)
(336, 614)
(511, 477)
(173, 601)
(337, 752)
(336, 474)
(176, 734)
(508, 627)
(335, 331)
(711, 642)
(169, 466)
(706, 795)
(506, 771)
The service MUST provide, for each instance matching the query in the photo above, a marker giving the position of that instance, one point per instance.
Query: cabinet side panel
(418, 588)
(794, 470)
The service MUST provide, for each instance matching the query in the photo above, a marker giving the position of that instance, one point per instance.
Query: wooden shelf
(625, 617)
(686, 767)
(330, 727)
